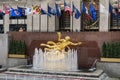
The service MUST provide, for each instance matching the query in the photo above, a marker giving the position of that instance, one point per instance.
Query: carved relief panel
(87, 21)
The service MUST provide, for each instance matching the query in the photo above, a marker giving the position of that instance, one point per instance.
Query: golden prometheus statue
(60, 46)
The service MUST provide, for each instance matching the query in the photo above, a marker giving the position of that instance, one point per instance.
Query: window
(22, 17)
(1, 22)
(16, 27)
(64, 21)
(87, 22)
(1, 28)
(1, 17)
(115, 17)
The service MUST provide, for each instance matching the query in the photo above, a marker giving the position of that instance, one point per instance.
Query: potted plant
(111, 52)
(17, 49)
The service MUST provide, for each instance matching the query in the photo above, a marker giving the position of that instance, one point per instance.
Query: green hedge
(17, 47)
(111, 49)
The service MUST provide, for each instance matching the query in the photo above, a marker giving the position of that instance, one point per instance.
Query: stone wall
(3, 50)
(99, 37)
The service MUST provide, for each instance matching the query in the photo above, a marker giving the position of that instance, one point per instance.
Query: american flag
(67, 8)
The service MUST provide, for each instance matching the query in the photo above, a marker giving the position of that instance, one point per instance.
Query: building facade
(44, 23)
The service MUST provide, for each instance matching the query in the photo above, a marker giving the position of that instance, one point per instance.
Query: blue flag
(44, 12)
(21, 11)
(76, 11)
(110, 8)
(15, 13)
(58, 11)
(114, 13)
(51, 10)
(83, 8)
(93, 12)
(2, 14)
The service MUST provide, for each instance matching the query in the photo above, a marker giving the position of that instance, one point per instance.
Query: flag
(85, 11)
(67, 8)
(45, 12)
(6, 9)
(28, 11)
(76, 11)
(51, 10)
(114, 13)
(15, 13)
(119, 6)
(21, 11)
(110, 8)
(83, 8)
(93, 12)
(2, 13)
(58, 10)
(36, 9)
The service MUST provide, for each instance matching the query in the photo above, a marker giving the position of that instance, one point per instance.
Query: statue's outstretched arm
(76, 43)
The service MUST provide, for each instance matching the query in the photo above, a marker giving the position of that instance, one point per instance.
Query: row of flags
(20, 11)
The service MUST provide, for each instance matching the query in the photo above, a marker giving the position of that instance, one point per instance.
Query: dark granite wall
(88, 52)
(99, 37)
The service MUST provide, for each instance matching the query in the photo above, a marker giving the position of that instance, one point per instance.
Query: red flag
(67, 8)
(88, 15)
(6, 9)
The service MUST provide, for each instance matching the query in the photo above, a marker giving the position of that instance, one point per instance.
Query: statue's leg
(51, 42)
(46, 45)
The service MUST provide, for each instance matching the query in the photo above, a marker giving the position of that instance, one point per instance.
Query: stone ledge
(110, 68)
(96, 75)
(110, 59)
(16, 56)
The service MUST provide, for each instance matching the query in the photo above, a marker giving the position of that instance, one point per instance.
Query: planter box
(16, 55)
(110, 59)
(112, 69)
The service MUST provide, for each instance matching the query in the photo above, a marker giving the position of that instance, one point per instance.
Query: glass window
(64, 21)
(17, 27)
(22, 17)
(1, 28)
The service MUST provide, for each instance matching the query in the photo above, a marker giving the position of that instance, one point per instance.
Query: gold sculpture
(60, 45)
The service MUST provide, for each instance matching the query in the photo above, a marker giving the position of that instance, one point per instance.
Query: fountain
(59, 60)
(55, 56)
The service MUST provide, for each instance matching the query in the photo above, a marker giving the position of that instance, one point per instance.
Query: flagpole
(32, 20)
(72, 19)
(24, 14)
(3, 19)
(47, 19)
(80, 17)
(55, 18)
(40, 21)
(17, 18)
